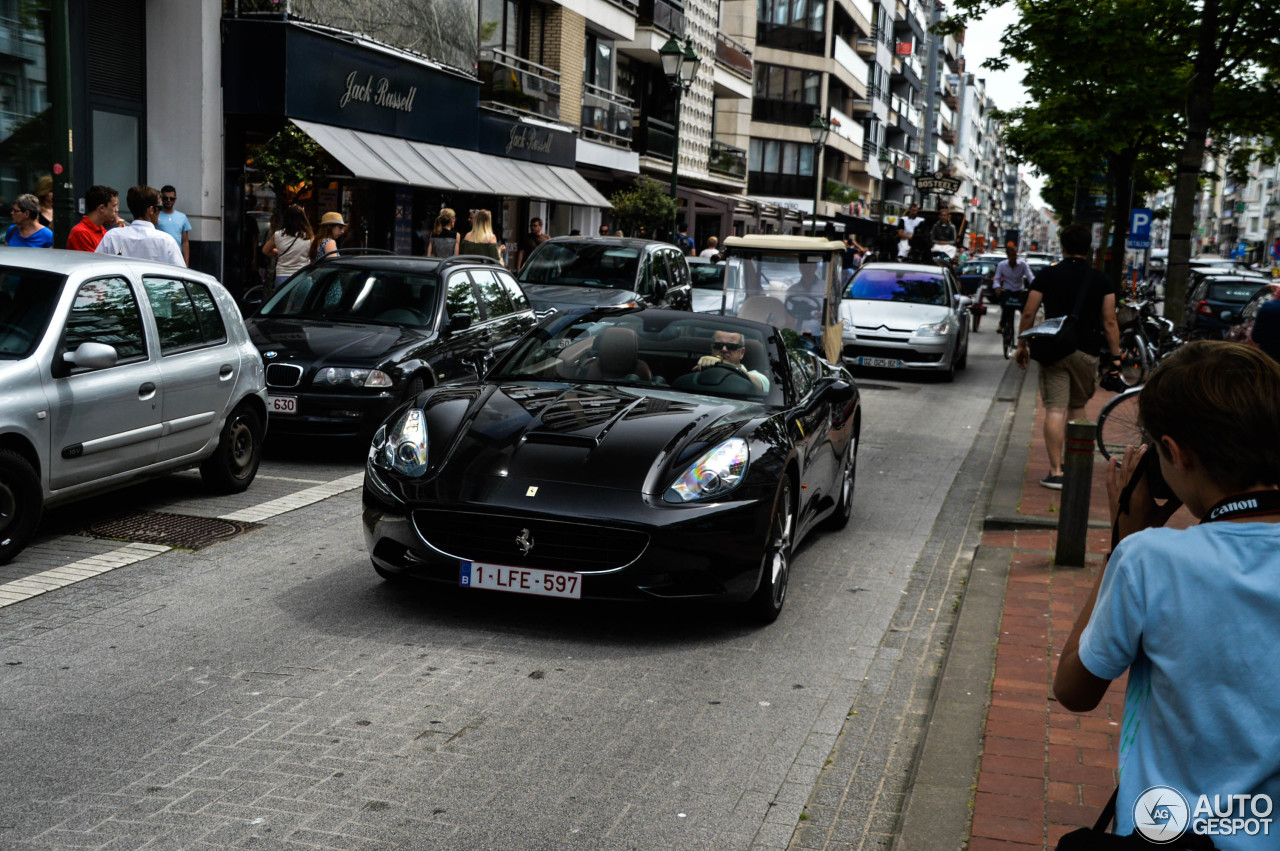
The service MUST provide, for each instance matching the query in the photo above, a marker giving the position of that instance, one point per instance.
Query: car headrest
(619, 348)
(756, 358)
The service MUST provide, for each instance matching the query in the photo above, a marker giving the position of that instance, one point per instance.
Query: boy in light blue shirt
(1194, 615)
(173, 222)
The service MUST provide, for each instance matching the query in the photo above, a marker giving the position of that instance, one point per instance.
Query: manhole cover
(172, 530)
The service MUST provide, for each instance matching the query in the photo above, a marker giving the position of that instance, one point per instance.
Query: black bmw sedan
(623, 454)
(348, 339)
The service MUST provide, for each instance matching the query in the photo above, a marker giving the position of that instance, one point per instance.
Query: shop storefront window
(25, 151)
(443, 30)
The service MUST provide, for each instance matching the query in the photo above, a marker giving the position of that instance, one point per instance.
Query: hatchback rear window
(1234, 291)
(583, 264)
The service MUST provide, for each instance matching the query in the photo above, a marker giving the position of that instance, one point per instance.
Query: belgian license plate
(282, 404)
(521, 580)
(883, 363)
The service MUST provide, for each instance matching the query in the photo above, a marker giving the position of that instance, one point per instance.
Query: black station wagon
(347, 339)
(587, 271)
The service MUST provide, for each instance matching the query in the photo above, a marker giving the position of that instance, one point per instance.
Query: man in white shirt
(141, 239)
(1012, 276)
(907, 227)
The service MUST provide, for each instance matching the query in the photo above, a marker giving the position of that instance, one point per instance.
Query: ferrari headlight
(713, 475)
(937, 329)
(403, 447)
(338, 376)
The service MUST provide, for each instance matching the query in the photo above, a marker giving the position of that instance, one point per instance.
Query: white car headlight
(714, 474)
(937, 329)
(339, 376)
(403, 447)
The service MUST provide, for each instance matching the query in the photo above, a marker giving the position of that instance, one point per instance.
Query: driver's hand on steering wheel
(711, 360)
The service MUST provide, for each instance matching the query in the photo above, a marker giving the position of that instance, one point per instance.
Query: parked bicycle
(1146, 338)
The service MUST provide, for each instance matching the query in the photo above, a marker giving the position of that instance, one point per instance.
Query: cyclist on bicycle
(1012, 280)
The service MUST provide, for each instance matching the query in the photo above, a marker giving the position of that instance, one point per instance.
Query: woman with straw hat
(326, 239)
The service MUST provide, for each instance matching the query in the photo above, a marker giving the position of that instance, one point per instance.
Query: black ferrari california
(622, 454)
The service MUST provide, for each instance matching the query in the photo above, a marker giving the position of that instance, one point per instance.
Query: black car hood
(567, 296)
(327, 342)
(590, 434)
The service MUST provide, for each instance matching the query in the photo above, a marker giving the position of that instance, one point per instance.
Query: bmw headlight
(339, 376)
(403, 447)
(937, 329)
(713, 475)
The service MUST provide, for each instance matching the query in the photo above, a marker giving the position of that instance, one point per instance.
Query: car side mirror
(963, 301)
(458, 322)
(92, 356)
(838, 392)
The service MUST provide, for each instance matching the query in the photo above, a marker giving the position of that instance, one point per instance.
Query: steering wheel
(724, 378)
(803, 306)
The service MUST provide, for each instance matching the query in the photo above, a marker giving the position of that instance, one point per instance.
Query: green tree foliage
(647, 204)
(1137, 89)
(288, 162)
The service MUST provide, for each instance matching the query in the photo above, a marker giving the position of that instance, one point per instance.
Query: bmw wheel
(766, 604)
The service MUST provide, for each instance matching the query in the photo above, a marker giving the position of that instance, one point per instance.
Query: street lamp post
(679, 65)
(886, 159)
(818, 131)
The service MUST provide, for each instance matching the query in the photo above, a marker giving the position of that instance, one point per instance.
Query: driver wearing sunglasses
(728, 348)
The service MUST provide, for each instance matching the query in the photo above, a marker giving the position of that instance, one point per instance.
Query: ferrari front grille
(529, 541)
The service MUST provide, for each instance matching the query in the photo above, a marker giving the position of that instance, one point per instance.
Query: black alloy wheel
(21, 503)
(233, 465)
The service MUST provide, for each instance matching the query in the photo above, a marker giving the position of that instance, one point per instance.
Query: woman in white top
(291, 245)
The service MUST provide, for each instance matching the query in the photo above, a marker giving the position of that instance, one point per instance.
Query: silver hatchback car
(114, 369)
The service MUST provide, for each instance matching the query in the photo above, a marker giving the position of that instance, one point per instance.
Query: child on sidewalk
(1193, 614)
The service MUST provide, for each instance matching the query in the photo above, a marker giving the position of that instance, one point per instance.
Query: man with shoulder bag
(1080, 327)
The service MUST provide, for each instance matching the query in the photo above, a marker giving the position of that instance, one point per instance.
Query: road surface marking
(69, 574)
(309, 496)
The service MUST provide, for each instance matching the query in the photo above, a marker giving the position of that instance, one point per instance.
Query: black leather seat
(618, 357)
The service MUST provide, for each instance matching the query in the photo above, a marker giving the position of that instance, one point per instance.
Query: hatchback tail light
(1204, 309)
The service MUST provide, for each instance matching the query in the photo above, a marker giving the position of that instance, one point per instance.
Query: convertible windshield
(894, 285)
(583, 264)
(27, 299)
(645, 351)
(361, 295)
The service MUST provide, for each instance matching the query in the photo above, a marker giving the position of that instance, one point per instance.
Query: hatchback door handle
(146, 391)
(226, 371)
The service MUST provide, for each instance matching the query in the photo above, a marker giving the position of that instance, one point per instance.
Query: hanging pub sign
(939, 183)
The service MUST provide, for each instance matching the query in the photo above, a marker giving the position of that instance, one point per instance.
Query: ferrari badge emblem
(524, 541)
(532, 491)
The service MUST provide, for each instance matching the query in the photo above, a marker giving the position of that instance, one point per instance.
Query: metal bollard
(1077, 487)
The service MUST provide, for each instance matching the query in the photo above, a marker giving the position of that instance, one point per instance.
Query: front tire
(21, 503)
(766, 604)
(232, 466)
(1135, 363)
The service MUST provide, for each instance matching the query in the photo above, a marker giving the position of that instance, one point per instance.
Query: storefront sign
(364, 89)
(332, 82)
(938, 183)
(510, 137)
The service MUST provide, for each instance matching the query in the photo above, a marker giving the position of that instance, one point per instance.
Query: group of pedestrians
(158, 230)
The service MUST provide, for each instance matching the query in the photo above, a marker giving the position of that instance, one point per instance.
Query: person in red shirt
(103, 204)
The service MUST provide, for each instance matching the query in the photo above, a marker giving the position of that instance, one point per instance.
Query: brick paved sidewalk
(1044, 771)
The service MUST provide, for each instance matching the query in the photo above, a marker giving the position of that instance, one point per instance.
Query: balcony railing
(780, 185)
(607, 116)
(517, 84)
(656, 139)
(798, 39)
(866, 46)
(727, 160)
(783, 111)
(734, 55)
(663, 15)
